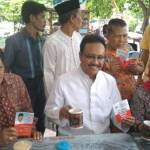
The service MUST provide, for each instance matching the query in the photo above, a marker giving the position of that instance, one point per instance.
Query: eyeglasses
(93, 58)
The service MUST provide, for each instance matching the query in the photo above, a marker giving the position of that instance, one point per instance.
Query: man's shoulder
(77, 35)
(16, 36)
(12, 78)
(106, 76)
(53, 38)
(53, 35)
(70, 73)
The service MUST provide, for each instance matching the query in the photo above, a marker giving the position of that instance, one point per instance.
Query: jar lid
(63, 145)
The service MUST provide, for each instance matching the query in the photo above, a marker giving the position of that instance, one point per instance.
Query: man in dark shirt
(23, 56)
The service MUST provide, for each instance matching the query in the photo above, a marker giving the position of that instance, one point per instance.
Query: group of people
(67, 70)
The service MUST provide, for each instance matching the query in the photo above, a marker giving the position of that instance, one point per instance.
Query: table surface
(92, 142)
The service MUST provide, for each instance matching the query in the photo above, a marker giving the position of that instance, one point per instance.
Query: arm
(112, 65)
(145, 56)
(49, 66)
(136, 67)
(144, 45)
(137, 106)
(56, 110)
(27, 107)
(7, 136)
(115, 94)
(138, 111)
(55, 103)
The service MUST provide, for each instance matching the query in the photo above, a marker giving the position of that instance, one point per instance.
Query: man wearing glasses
(87, 88)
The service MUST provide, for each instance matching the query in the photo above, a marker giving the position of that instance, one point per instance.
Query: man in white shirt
(61, 48)
(87, 88)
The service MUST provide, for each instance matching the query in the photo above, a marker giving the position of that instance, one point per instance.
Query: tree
(141, 6)
(104, 9)
(10, 9)
(98, 8)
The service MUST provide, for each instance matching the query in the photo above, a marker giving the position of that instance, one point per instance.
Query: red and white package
(121, 110)
(24, 123)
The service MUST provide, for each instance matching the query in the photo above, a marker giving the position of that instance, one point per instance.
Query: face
(77, 21)
(92, 59)
(118, 38)
(2, 69)
(20, 118)
(38, 21)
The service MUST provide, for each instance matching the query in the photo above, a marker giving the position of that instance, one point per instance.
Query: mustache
(93, 65)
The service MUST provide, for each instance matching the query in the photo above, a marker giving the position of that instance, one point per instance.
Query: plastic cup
(146, 129)
(22, 145)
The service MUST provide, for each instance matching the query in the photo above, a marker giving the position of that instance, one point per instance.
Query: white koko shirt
(61, 54)
(96, 98)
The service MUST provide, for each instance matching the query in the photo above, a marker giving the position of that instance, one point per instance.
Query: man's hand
(64, 112)
(136, 67)
(37, 135)
(128, 122)
(8, 135)
(116, 65)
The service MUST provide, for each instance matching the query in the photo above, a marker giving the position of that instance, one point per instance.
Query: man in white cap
(61, 48)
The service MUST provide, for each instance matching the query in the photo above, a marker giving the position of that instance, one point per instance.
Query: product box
(127, 58)
(24, 123)
(121, 111)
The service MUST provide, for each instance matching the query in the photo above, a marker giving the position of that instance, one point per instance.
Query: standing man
(145, 46)
(23, 56)
(61, 49)
(118, 39)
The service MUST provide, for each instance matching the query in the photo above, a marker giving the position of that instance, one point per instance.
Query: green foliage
(132, 25)
(140, 9)
(104, 8)
(10, 9)
(99, 8)
(134, 8)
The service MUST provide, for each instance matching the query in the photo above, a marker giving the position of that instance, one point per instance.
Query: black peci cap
(67, 6)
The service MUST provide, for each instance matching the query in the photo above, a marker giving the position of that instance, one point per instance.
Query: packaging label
(122, 54)
(24, 123)
(121, 110)
(127, 58)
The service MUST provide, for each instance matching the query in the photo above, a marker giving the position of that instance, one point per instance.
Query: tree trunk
(146, 13)
(145, 22)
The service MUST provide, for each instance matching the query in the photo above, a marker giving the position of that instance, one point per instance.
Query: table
(142, 144)
(93, 142)
(67, 131)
